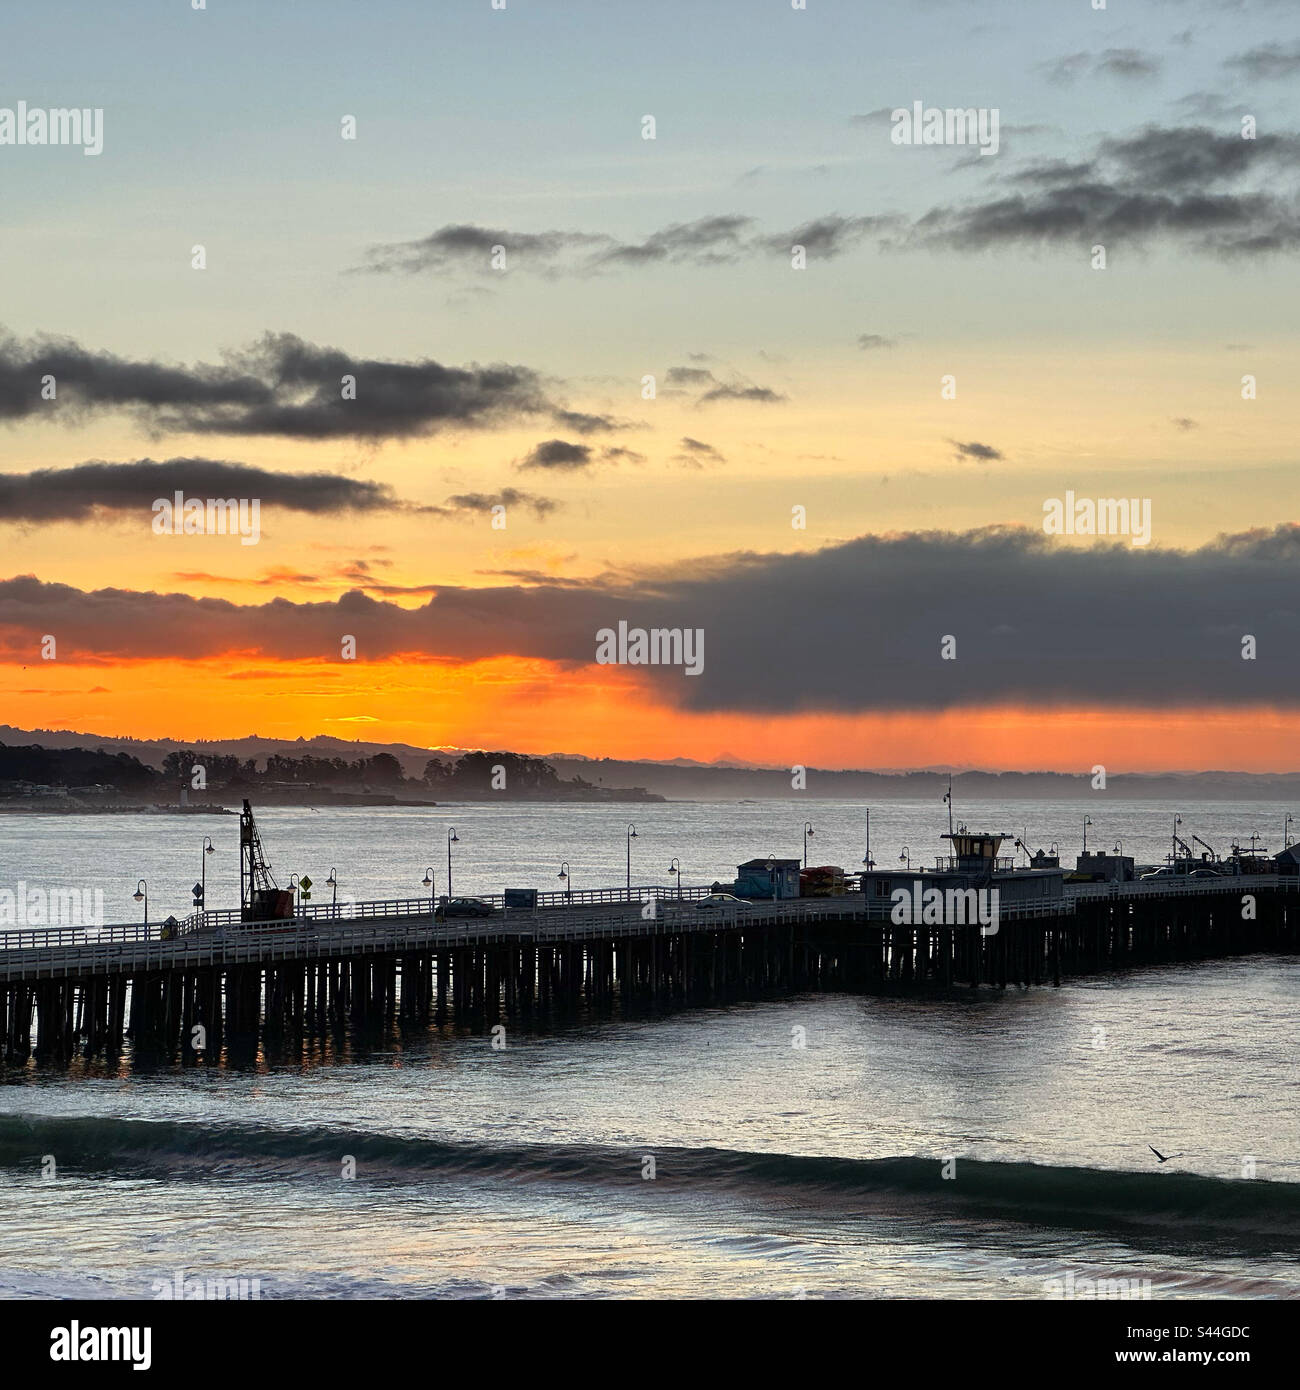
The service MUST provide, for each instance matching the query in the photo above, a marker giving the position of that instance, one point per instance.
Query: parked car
(464, 907)
(1205, 873)
(1166, 872)
(723, 900)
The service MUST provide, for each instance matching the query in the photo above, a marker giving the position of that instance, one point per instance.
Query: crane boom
(259, 896)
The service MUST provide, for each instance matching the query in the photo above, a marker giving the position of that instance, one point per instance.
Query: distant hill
(685, 780)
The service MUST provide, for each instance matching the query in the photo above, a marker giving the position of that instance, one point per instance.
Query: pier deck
(70, 988)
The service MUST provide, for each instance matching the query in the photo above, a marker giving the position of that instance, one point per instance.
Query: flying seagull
(1164, 1158)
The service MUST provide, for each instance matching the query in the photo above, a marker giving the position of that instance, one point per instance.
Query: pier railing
(581, 914)
(422, 907)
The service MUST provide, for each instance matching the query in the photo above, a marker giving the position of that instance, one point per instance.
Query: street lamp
(141, 895)
(906, 857)
(563, 876)
(1178, 820)
(676, 868)
(332, 884)
(1289, 820)
(452, 839)
(807, 830)
(1119, 847)
(208, 848)
(294, 887)
(631, 835)
(771, 874)
(428, 882)
(1087, 821)
(866, 858)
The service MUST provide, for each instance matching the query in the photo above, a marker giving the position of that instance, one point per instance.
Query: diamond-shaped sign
(305, 883)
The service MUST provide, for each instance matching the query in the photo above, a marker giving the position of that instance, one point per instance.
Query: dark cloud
(825, 237)
(580, 422)
(696, 453)
(731, 391)
(981, 453)
(620, 455)
(1035, 621)
(1218, 193)
(1268, 62)
(87, 489)
(736, 389)
(689, 376)
(280, 386)
(706, 241)
(463, 245)
(558, 455)
(1126, 63)
(474, 502)
(1185, 424)
(872, 341)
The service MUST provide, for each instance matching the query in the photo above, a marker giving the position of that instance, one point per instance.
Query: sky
(502, 373)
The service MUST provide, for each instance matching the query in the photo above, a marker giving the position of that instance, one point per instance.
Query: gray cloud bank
(854, 627)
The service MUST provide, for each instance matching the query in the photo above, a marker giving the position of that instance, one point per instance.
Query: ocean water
(700, 1153)
(384, 853)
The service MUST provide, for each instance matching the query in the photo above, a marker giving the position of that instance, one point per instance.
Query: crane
(260, 897)
(1213, 852)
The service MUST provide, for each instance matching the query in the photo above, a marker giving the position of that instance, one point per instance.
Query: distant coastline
(404, 774)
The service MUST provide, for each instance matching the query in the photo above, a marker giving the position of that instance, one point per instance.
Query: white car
(723, 900)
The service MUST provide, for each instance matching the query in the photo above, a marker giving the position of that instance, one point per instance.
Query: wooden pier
(189, 994)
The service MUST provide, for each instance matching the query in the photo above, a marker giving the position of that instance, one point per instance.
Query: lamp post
(771, 874)
(429, 883)
(332, 884)
(867, 860)
(676, 868)
(807, 830)
(208, 848)
(1087, 821)
(141, 895)
(1119, 847)
(565, 878)
(906, 857)
(294, 887)
(1178, 820)
(452, 839)
(1285, 830)
(631, 835)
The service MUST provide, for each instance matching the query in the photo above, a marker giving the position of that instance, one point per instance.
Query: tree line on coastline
(33, 771)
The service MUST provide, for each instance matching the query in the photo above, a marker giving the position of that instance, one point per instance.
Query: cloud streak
(87, 489)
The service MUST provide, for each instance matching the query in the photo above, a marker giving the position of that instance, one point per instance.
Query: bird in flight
(1164, 1158)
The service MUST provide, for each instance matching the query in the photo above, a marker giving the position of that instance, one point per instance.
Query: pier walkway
(335, 965)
